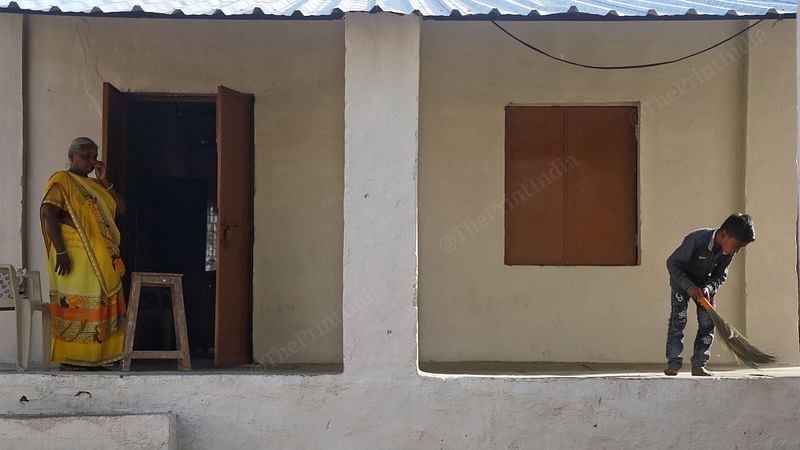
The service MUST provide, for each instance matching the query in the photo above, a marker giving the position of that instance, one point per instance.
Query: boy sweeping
(697, 269)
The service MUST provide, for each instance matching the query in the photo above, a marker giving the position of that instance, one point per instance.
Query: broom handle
(705, 304)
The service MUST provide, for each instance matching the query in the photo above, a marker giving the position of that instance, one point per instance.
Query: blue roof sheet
(425, 8)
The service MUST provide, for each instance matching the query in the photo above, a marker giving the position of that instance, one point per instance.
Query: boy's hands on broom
(700, 296)
(697, 293)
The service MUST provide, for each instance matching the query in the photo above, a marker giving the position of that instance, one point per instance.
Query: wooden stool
(173, 281)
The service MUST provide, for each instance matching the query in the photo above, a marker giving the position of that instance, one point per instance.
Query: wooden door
(114, 149)
(233, 327)
(115, 135)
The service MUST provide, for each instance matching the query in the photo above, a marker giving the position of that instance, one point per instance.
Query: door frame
(108, 140)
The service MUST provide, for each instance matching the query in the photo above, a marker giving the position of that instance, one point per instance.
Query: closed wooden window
(571, 185)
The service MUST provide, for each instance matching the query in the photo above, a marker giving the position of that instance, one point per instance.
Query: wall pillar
(11, 169)
(771, 289)
(11, 160)
(380, 198)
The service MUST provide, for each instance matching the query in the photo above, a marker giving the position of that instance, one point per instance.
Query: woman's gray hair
(79, 143)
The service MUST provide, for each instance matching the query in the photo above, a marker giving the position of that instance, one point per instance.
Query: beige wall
(295, 70)
(771, 278)
(11, 160)
(11, 122)
(694, 137)
(691, 168)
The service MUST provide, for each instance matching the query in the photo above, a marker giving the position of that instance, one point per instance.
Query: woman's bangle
(61, 253)
(110, 186)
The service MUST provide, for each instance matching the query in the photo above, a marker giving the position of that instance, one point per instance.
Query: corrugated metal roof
(425, 8)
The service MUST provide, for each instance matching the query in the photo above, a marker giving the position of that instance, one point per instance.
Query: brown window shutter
(534, 219)
(571, 186)
(601, 198)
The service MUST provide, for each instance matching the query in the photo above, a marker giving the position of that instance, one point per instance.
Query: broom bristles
(738, 344)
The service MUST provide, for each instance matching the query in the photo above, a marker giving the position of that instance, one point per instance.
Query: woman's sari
(87, 305)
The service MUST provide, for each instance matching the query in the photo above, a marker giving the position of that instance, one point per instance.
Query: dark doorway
(184, 164)
(171, 220)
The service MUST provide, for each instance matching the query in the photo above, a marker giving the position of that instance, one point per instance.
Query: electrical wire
(633, 66)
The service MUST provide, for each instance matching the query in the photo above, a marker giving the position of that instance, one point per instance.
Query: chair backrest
(9, 289)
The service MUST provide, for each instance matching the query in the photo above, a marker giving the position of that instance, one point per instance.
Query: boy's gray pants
(677, 322)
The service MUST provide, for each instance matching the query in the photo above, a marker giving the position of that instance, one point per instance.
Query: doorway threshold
(529, 369)
(162, 367)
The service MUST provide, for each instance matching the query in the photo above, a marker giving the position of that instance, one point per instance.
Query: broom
(739, 345)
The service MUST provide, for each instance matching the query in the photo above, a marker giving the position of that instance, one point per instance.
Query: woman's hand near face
(101, 172)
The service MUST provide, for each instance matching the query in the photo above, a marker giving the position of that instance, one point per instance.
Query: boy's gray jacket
(696, 263)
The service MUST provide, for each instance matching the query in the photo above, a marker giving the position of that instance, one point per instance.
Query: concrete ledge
(140, 431)
(498, 369)
(433, 412)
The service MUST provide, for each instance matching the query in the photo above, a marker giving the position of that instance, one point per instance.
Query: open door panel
(233, 327)
(115, 136)
(114, 150)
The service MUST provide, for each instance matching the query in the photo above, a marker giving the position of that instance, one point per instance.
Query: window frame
(637, 161)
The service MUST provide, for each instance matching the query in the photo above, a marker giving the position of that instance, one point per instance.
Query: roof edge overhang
(534, 16)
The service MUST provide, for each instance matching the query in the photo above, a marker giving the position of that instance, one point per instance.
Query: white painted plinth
(141, 431)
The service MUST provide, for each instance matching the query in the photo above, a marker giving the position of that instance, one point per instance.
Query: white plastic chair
(24, 306)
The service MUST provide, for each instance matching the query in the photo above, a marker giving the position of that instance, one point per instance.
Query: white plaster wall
(409, 412)
(98, 432)
(691, 169)
(380, 204)
(295, 70)
(400, 409)
(11, 168)
(771, 275)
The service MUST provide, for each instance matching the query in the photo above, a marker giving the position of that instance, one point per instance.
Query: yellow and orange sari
(87, 305)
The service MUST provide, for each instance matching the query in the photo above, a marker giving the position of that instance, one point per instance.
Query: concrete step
(89, 432)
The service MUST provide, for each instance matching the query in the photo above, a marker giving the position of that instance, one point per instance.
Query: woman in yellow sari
(84, 264)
